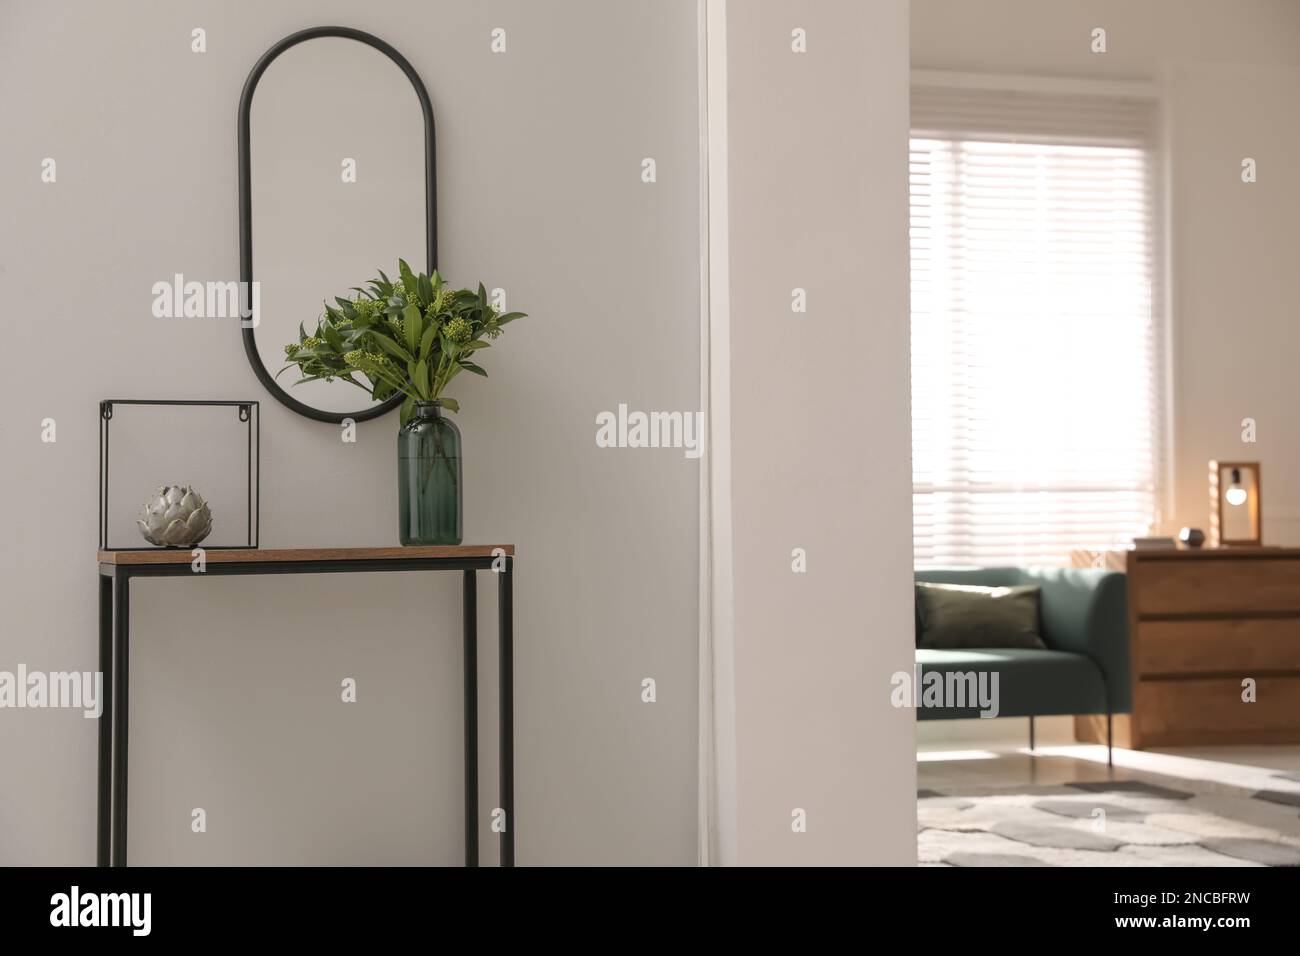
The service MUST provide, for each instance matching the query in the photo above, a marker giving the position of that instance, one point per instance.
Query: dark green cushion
(1030, 682)
(972, 616)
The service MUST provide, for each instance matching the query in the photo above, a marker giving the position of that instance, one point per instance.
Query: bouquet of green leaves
(411, 336)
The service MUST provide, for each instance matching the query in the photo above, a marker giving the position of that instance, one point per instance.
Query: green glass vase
(429, 478)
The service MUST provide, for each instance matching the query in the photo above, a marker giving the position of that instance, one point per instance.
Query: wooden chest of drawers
(1201, 624)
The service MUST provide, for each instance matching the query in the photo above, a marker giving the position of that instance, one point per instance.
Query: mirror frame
(246, 205)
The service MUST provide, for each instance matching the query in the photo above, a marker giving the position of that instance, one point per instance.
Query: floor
(1061, 805)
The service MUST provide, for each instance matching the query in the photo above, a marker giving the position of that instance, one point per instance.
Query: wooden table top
(271, 555)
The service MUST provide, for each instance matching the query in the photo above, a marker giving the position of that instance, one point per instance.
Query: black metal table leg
(114, 654)
(103, 819)
(505, 627)
(121, 706)
(471, 719)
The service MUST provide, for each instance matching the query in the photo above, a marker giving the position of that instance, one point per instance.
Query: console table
(117, 568)
(1200, 621)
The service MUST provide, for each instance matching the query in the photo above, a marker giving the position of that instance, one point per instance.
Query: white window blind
(1037, 337)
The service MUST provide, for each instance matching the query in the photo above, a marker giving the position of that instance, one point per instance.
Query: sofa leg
(1110, 762)
(1031, 734)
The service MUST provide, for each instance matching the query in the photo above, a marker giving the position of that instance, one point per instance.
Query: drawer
(1211, 711)
(1240, 647)
(1216, 586)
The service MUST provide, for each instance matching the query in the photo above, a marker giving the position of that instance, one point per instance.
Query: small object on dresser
(1154, 544)
(175, 517)
(1235, 511)
(1192, 537)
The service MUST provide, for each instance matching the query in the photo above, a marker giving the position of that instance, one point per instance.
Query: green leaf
(408, 409)
(411, 322)
(421, 378)
(408, 278)
(346, 306)
(425, 289)
(510, 317)
(471, 367)
(398, 382)
(451, 404)
(391, 347)
(426, 343)
(475, 346)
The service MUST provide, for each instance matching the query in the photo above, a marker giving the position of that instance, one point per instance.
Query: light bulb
(1236, 496)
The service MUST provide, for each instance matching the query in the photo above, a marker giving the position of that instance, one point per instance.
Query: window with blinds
(1037, 352)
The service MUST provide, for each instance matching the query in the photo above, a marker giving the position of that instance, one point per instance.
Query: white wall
(1230, 78)
(817, 193)
(235, 681)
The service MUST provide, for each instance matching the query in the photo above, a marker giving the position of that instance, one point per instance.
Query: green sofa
(1085, 669)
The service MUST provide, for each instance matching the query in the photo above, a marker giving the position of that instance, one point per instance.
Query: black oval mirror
(343, 185)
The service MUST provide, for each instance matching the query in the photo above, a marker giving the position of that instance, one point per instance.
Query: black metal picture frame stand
(249, 412)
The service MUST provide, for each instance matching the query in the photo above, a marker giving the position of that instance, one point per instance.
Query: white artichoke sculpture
(176, 516)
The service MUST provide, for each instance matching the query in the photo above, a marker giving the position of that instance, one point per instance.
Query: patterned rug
(1111, 823)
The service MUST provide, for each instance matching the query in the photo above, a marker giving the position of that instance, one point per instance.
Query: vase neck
(428, 409)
